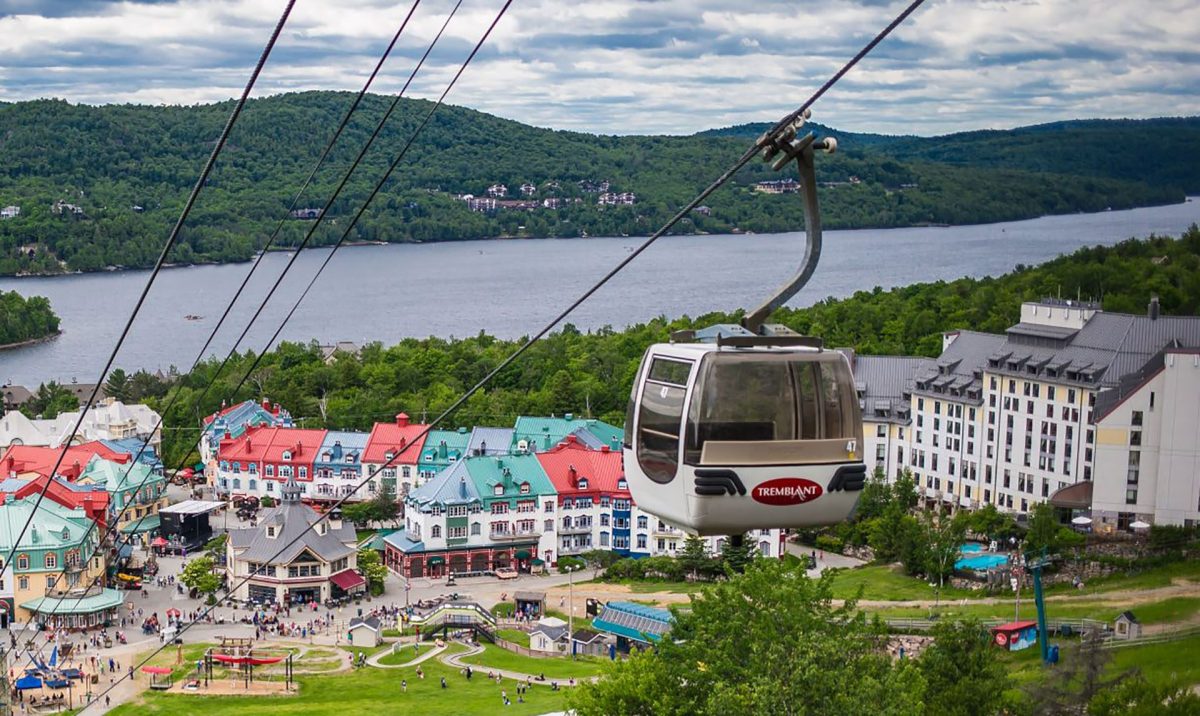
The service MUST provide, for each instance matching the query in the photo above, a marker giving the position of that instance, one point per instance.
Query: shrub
(829, 543)
(573, 562)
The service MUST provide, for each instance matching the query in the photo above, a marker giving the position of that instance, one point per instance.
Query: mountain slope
(101, 186)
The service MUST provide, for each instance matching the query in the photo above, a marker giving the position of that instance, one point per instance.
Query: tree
(1135, 696)
(876, 496)
(371, 566)
(50, 400)
(694, 558)
(267, 501)
(943, 537)
(383, 507)
(199, 575)
(1076, 681)
(963, 674)
(1043, 529)
(599, 559)
(904, 490)
(992, 522)
(737, 553)
(117, 385)
(768, 641)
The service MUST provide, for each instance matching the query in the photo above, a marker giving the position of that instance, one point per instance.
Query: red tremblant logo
(786, 491)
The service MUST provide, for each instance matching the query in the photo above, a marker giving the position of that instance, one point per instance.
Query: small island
(25, 320)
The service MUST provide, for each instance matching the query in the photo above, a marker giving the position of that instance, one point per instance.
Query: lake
(511, 288)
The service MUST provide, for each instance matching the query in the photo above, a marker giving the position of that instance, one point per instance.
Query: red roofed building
(29, 460)
(93, 500)
(596, 510)
(397, 445)
(263, 458)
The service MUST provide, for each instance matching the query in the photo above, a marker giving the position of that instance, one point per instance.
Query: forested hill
(575, 372)
(25, 319)
(101, 186)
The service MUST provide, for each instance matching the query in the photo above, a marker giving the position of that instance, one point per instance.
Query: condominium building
(1013, 420)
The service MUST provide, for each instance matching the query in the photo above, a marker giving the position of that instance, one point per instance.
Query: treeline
(25, 319)
(102, 186)
(591, 372)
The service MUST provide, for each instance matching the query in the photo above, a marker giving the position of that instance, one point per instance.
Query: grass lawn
(405, 655)
(554, 668)
(1174, 609)
(363, 691)
(884, 583)
(361, 535)
(516, 636)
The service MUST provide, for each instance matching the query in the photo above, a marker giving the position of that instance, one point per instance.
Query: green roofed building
(441, 450)
(480, 514)
(52, 566)
(136, 493)
(536, 434)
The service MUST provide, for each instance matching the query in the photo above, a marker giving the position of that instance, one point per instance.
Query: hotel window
(270, 471)
(475, 529)
(499, 508)
(435, 531)
(252, 468)
(549, 507)
(23, 582)
(456, 532)
(548, 526)
(23, 561)
(643, 522)
(51, 560)
(270, 486)
(303, 473)
(881, 431)
(1135, 418)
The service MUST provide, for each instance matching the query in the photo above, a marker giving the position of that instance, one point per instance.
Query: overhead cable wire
(158, 265)
(237, 294)
(512, 357)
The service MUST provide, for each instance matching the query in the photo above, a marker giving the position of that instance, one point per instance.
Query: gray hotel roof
(291, 518)
(883, 382)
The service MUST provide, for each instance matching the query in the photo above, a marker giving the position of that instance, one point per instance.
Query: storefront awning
(522, 554)
(145, 524)
(348, 579)
(437, 560)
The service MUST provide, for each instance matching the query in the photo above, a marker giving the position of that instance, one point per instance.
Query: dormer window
(583, 483)
(287, 454)
(622, 484)
(524, 488)
(66, 533)
(23, 561)
(499, 490)
(270, 530)
(390, 455)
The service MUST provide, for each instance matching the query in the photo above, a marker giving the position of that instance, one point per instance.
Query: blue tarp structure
(29, 682)
(58, 683)
(54, 656)
(72, 673)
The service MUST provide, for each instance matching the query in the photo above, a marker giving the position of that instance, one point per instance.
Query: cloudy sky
(635, 66)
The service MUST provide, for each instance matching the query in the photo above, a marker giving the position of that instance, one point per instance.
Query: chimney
(275, 409)
(568, 416)
(402, 420)
(335, 519)
(573, 476)
(266, 405)
(1153, 308)
(605, 448)
(572, 439)
(443, 450)
(482, 447)
(249, 447)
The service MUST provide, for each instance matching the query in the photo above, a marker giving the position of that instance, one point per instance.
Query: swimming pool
(975, 558)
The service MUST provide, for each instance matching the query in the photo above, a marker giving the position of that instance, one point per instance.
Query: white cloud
(667, 66)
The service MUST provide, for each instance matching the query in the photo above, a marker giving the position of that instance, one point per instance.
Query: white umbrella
(1139, 525)
(1081, 520)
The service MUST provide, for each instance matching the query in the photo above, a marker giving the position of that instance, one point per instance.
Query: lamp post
(571, 607)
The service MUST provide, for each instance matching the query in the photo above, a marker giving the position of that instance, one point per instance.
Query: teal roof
(145, 524)
(510, 471)
(452, 486)
(541, 434)
(401, 541)
(53, 526)
(437, 454)
(634, 621)
(118, 477)
(106, 599)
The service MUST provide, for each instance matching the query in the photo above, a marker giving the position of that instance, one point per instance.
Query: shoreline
(30, 342)
(356, 244)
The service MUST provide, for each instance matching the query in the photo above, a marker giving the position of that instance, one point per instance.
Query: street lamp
(571, 569)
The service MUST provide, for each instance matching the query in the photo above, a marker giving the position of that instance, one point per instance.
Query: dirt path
(455, 660)
(429, 654)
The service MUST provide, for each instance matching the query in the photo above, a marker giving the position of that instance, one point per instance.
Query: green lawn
(884, 583)
(405, 655)
(364, 691)
(554, 668)
(361, 535)
(516, 636)
(1174, 609)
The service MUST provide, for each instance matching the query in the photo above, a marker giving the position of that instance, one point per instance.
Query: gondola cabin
(721, 439)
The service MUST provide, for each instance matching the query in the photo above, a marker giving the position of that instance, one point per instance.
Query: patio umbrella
(173, 612)
(158, 542)
(1139, 525)
(1081, 520)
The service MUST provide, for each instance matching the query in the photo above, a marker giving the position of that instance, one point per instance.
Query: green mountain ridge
(100, 187)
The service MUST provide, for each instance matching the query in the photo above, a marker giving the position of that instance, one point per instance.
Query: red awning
(348, 579)
(158, 670)
(159, 542)
(254, 660)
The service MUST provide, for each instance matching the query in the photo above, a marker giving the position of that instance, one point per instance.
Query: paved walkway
(455, 660)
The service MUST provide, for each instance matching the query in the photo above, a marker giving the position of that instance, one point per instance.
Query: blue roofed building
(636, 626)
(232, 422)
(141, 452)
(490, 441)
(338, 469)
